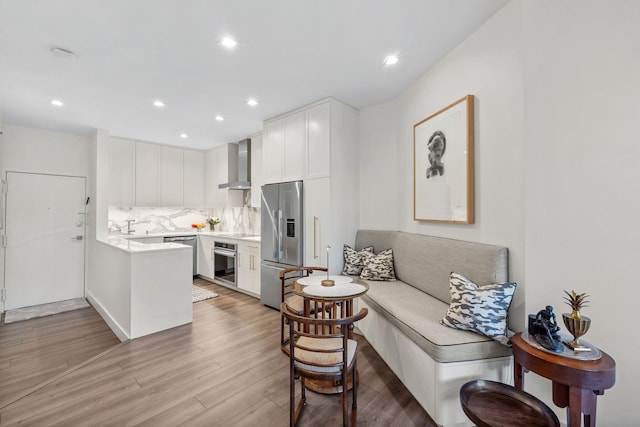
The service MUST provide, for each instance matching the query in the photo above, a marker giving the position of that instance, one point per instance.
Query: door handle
(77, 238)
(315, 237)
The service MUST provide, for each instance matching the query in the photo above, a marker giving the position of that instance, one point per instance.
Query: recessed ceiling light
(158, 103)
(390, 60)
(228, 42)
(252, 102)
(184, 135)
(219, 118)
(57, 103)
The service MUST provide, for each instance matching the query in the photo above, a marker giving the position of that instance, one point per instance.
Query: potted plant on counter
(213, 221)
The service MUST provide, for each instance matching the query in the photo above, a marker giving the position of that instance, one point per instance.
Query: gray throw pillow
(378, 267)
(482, 309)
(353, 260)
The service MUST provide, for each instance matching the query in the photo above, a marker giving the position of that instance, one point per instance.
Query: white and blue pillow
(482, 309)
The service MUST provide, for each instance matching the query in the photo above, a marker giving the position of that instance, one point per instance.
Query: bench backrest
(425, 262)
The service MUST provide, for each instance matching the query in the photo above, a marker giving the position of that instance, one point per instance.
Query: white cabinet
(317, 211)
(222, 167)
(249, 267)
(205, 256)
(331, 196)
(193, 179)
(147, 173)
(272, 146)
(171, 176)
(256, 170)
(283, 148)
(121, 172)
(318, 154)
(293, 149)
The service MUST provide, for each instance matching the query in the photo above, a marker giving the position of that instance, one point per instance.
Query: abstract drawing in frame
(443, 186)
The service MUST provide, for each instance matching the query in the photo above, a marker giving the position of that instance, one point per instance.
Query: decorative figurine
(544, 328)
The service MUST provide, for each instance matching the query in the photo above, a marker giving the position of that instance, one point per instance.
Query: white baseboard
(104, 313)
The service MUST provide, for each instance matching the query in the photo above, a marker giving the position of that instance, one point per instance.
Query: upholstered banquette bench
(404, 322)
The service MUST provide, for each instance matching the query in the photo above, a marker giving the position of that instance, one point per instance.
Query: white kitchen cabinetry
(121, 172)
(171, 176)
(249, 267)
(330, 188)
(205, 256)
(317, 216)
(256, 170)
(193, 182)
(318, 155)
(272, 146)
(147, 172)
(283, 148)
(222, 167)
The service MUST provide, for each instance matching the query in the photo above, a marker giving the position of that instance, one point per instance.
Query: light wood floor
(225, 369)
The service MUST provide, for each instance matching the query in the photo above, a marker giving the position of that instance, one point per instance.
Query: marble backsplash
(159, 220)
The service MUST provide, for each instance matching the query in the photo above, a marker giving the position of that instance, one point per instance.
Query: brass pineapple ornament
(576, 324)
(576, 302)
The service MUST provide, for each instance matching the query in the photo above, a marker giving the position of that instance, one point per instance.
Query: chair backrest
(290, 275)
(315, 345)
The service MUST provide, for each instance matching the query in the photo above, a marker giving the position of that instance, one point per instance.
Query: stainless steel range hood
(243, 180)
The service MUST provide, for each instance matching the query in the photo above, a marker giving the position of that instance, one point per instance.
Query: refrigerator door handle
(280, 235)
(276, 235)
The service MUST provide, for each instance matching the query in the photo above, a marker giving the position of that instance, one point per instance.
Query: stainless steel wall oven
(225, 263)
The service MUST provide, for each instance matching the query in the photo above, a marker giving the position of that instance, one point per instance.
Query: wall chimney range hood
(243, 180)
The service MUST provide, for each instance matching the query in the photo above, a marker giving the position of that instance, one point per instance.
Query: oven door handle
(224, 252)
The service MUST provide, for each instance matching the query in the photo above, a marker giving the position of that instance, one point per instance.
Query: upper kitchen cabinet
(256, 170)
(121, 172)
(193, 182)
(147, 174)
(222, 167)
(171, 176)
(301, 144)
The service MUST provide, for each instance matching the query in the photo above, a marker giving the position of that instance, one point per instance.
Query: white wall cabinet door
(193, 184)
(318, 153)
(317, 210)
(294, 147)
(218, 161)
(147, 174)
(171, 176)
(121, 172)
(272, 146)
(249, 267)
(256, 170)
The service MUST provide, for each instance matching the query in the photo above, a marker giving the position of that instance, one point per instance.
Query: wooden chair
(321, 356)
(295, 303)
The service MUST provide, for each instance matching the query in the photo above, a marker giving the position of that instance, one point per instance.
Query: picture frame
(443, 165)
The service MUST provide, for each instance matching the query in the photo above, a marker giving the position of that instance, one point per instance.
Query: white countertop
(132, 246)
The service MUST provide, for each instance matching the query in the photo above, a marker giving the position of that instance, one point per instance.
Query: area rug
(18, 314)
(200, 294)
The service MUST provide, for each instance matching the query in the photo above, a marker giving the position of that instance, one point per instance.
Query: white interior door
(45, 229)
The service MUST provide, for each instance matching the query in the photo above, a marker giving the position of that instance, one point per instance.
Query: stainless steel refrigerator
(281, 241)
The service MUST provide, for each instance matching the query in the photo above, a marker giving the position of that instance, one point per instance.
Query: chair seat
(295, 304)
(314, 357)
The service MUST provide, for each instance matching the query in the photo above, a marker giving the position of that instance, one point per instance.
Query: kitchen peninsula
(140, 289)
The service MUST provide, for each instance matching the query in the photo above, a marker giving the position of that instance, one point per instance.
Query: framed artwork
(443, 186)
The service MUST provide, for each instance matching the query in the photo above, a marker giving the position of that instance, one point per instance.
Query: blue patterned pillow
(481, 309)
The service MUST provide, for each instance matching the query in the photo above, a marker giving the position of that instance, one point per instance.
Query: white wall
(556, 164)
(582, 179)
(43, 151)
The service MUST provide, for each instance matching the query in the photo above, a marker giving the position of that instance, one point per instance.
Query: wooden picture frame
(443, 165)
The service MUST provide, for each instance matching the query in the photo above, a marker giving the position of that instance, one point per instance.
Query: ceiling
(289, 53)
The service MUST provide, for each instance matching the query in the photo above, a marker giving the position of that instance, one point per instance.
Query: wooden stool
(493, 404)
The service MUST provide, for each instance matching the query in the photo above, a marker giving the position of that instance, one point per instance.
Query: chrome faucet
(129, 230)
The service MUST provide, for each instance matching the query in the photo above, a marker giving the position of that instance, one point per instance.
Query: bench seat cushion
(418, 315)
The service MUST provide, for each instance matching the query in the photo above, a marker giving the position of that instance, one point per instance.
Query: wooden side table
(576, 384)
